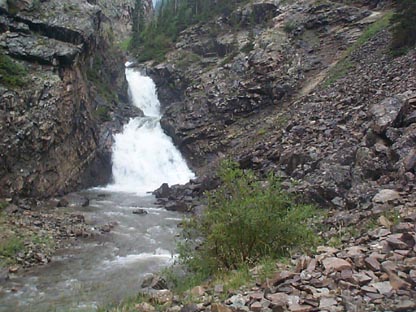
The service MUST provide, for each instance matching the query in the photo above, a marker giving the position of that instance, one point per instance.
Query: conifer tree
(404, 29)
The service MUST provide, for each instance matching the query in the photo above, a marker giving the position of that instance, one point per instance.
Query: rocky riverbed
(366, 264)
(33, 230)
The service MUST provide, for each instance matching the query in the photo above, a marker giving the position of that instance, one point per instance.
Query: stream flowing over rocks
(139, 236)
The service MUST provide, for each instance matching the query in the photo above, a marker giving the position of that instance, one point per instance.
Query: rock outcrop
(57, 122)
(281, 96)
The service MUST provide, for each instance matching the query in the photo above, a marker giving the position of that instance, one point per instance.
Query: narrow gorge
(275, 140)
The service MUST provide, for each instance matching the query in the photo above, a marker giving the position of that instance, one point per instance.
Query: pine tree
(404, 29)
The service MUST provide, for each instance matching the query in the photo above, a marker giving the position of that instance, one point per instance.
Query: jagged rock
(385, 196)
(335, 264)
(372, 263)
(140, 212)
(383, 287)
(163, 191)
(405, 305)
(389, 113)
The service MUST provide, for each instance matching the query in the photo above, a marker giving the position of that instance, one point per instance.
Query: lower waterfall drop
(144, 157)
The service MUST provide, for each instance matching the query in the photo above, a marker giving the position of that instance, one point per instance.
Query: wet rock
(154, 282)
(140, 212)
(163, 191)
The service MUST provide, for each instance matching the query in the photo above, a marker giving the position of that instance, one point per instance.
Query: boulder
(389, 113)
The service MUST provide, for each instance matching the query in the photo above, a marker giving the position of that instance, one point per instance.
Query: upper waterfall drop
(144, 157)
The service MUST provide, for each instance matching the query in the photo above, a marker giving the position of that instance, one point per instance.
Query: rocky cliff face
(61, 97)
(289, 89)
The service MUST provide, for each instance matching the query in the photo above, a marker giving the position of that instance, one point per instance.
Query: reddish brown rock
(335, 264)
(372, 263)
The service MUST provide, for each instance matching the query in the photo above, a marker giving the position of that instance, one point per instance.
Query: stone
(218, 307)
(13, 269)
(256, 307)
(302, 263)
(382, 220)
(327, 302)
(278, 299)
(388, 113)
(386, 196)
(256, 296)
(396, 243)
(163, 296)
(397, 283)
(237, 301)
(299, 308)
(140, 212)
(405, 306)
(219, 288)
(327, 250)
(280, 277)
(389, 266)
(383, 287)
(335, 264)
(372, 263)
(144, 307)
(362, 278)
(198, 291)
(189, 307)
(163, 191)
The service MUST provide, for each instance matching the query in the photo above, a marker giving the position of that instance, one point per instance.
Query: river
(104, 270)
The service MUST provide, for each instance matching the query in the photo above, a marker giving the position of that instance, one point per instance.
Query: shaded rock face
(56, 130)
(265, 104)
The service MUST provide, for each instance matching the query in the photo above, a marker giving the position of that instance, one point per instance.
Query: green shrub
(290, 26)
(11, 246)
(404, 29)
(246, 221)
(103, 113)
(12, 74)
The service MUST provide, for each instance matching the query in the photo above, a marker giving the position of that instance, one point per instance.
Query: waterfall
(144, 157)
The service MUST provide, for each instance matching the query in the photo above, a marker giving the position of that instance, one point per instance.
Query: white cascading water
(144, 157)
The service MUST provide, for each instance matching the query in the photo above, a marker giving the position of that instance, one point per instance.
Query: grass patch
(95, 76)
(102, 113)
(341, 69)
(125, 44)
(186, 59)
(12, 74)
(9, 247)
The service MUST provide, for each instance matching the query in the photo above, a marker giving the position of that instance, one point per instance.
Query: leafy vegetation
(246, 221)
(404, 29)
(100, 81)
(103, 113)
(172, 16)
(345, 64)
(12, 74)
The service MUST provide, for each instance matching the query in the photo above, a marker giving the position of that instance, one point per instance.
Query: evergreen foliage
(246, 221)
(173, 16)
(12, 74)
(404, 29)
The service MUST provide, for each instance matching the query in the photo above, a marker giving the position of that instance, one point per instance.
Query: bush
(246, 221)
(404, 29)
(12, 74)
